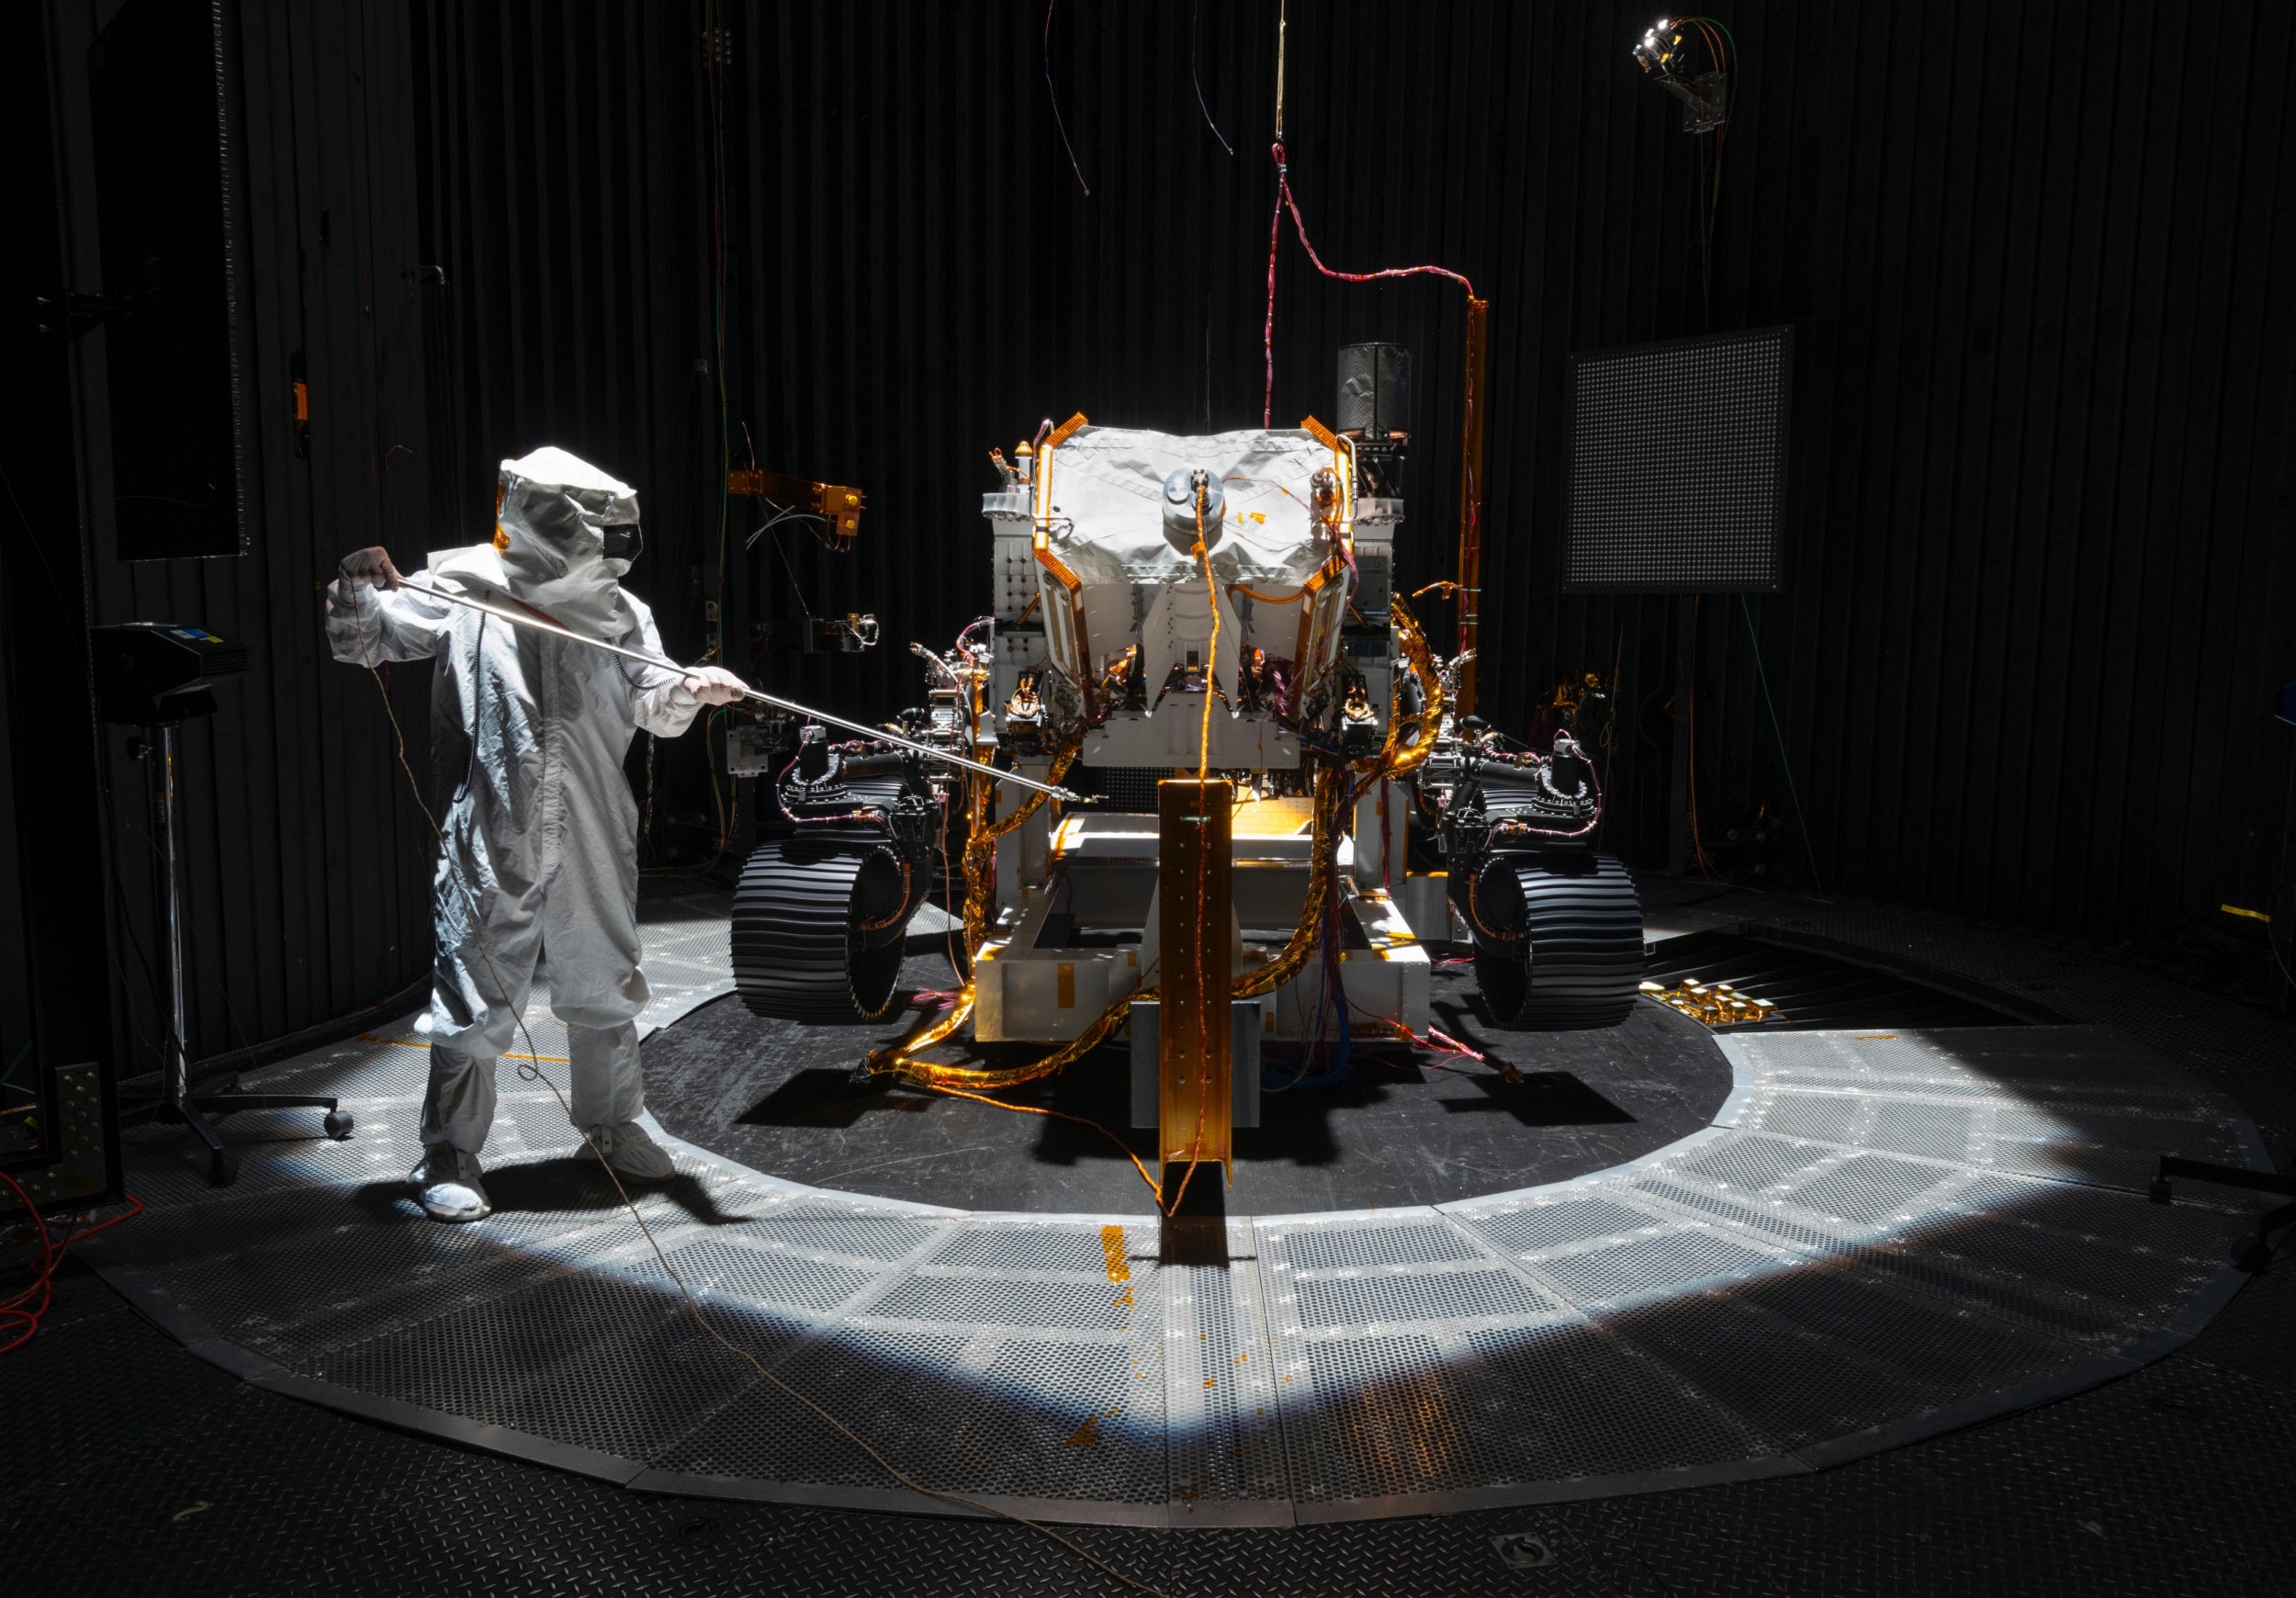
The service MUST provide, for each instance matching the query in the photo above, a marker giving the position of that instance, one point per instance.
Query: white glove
(369, 568)
(715, 685)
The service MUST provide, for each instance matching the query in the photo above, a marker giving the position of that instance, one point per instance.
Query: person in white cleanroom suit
(529, 733)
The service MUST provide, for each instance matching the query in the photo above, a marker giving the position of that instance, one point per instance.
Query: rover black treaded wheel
(817, 928)
(1558, 940)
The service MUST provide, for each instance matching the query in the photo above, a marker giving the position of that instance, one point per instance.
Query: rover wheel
(818, 926)
(1558, 940)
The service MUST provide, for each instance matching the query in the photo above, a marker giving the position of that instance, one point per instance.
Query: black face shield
(623, 541)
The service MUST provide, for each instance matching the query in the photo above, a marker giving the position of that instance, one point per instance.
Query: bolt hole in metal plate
(1523, 1551)
(1874, 1232)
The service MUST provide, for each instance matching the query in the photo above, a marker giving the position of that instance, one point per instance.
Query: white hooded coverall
(529, 733)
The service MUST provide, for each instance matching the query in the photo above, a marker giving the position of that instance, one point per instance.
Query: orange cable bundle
(900, 1062)
(1211, 664)
(1203, 858)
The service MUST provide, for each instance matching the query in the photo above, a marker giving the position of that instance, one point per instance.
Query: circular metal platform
(1880, 1236)
(1401, 1127)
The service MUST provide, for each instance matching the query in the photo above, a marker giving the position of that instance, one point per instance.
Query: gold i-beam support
(1196, 1108)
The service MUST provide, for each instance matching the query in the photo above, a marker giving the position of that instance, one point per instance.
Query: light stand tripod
(159, 749)
(155, 676)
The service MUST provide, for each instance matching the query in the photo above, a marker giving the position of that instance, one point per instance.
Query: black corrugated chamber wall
(2038, 258)
(2040, 261)
(306, 860)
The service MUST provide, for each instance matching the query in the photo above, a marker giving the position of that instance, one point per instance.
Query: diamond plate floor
(137, 1468)
(1883, 1237)
(1401, 1129)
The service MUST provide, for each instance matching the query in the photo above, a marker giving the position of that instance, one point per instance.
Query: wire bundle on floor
(28, 1306)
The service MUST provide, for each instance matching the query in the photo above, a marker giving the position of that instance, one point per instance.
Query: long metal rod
(160, 750)
(538, 624)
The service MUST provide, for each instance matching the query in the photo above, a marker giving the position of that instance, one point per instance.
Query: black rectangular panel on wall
(1677, 464)
(156, 88)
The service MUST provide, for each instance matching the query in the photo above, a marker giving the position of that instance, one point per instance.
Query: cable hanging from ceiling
(1285, 200)
(1053, 94)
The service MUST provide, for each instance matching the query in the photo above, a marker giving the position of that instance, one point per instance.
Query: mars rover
(1168, 609)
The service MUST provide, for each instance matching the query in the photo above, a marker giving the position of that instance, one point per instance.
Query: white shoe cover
(632, 1153)
(451, 1188)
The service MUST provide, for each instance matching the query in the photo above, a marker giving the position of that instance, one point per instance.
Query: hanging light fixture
(1665, 53)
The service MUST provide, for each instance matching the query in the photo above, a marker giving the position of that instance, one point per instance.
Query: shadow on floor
(567, 1185)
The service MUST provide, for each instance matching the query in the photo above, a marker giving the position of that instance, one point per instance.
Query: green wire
(10, 1072)
(1784, 759)
(1729, 119)
(1732, 40)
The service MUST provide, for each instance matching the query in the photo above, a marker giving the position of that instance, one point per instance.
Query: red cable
(1284, 200)
(11, 1310)
(51, 1256)
(1433, 1040)
(1284, 194)
(1267, 333)
(1451, 1045)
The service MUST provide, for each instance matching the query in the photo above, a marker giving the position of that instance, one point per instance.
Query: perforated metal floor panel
(1882, 1236)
